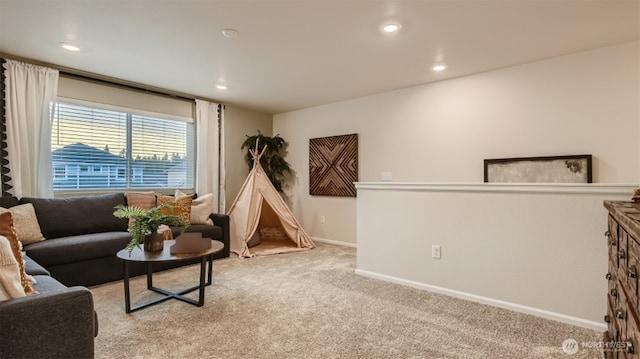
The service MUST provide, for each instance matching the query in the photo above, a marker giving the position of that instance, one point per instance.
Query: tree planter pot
(154, 242)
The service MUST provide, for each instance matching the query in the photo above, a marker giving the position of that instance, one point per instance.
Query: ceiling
(296, 54)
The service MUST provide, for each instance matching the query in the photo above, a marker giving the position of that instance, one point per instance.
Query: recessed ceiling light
(221, 86)
(230, 33)
(391, 27)
(439, 67)
(70, 47)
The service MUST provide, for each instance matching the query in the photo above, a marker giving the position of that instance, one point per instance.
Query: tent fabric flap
(259, 207)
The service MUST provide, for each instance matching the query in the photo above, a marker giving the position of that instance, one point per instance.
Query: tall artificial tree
(272, 160)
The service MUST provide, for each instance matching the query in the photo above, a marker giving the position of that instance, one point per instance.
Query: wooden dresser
(622, 338)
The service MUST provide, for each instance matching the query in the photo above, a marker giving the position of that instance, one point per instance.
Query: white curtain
(29, 91)
(209, 152)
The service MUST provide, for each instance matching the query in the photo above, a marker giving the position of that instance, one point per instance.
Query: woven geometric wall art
(333, 165)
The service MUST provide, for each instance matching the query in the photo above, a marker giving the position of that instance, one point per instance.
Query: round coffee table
(139, 255)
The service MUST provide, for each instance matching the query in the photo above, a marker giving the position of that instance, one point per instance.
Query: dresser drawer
(621, 313)
(633, 265)
(632, 340)
(612, 240)
(622, 255)
(613, 328)
(612, 278)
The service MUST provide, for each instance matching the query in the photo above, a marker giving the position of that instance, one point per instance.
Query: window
(59, 172)
(95, 148)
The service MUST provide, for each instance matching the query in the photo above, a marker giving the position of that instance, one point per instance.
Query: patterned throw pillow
(7, 230)
(25, 223)
(181, 205)
(201, 208)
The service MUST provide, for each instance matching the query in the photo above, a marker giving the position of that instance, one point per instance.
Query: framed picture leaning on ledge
(551, 169)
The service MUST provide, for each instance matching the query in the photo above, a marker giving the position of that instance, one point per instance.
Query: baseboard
(489, 301)
(330, 241)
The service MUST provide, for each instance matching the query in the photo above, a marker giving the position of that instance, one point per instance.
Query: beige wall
(239, 123)
(530, 248)
(441, 132)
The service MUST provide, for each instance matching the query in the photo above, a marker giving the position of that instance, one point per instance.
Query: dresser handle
(632, 273)
(607, 234)
(614, 292)
(608, 276)
(607, 319)
(619, 314)
(628, 347)
(621, 254)
(612, 242)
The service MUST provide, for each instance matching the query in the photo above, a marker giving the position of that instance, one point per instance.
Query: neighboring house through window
(94, 148)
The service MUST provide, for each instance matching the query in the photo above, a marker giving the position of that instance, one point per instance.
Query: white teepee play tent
(259, 213)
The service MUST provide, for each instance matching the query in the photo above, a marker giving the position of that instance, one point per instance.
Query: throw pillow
(144, 200)
(201, 208)
(25, 223)
(181, 205)
(8, 231)
(10, 281)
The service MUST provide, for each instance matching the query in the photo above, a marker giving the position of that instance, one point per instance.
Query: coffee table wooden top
(139, 255)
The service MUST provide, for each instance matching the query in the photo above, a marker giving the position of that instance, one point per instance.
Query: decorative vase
(153, 242)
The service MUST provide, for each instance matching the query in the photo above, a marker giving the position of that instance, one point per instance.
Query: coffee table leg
(149, 276)
(127, 299)
(203, 264)
(210, 260)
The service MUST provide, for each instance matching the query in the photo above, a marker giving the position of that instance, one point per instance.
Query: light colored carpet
(311, 305)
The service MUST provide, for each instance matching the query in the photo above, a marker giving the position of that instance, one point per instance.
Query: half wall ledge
(586, 188)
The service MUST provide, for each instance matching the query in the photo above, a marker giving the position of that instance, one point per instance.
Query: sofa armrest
(57, 324)
(222, 220)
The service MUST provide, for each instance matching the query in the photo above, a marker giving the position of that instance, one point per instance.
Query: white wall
(240, 123)
(531, 248)
(441, 132)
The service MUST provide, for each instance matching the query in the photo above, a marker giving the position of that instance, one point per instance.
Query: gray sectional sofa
(59, 322)
(82, 239)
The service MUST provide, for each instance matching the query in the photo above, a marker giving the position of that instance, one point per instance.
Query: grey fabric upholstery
(78, 248)
(83, 238)
(8, 201)
(33, 268)
(59, 322)
(64, 217)
(222, 220)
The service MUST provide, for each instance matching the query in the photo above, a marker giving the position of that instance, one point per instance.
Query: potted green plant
(144, 227)
(272, 161)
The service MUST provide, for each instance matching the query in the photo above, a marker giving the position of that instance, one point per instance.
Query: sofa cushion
(63, 217)
(201, 207)
(80, 248)
(144, 200)
(25, 223)
(181, 206)
(47, 284)
(32, 268)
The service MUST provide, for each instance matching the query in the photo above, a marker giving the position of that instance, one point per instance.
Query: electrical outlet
(385, 176)
(322, 219)
(435, 251)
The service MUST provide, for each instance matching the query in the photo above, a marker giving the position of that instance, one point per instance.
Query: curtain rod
(89, 76)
